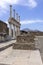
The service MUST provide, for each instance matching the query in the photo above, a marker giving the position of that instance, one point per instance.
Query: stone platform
(24, 42)
(5, 45)
(20, 57)
(25, 38)
(26, 46)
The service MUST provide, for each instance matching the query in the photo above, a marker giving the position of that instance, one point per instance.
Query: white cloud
(32, 3)
(4, 4)
(12, 1)
(29, 3)
(30, 21)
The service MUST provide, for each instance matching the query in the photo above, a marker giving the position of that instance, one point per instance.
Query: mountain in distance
(29, 30)
(26, 29)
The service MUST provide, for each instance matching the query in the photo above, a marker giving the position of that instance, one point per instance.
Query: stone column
(14, 32)
(10, 30)
(14, 13)
(10, 11)
(17, 16)
(18, 30)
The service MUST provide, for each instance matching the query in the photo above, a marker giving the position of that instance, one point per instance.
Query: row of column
(14, 30)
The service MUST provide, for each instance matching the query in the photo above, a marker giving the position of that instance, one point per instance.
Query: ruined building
(14, 27)
(14, 24)
(3, 30)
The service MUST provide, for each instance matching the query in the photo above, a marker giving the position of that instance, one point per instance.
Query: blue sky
(30, 11)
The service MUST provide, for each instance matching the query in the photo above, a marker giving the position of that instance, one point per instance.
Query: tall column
(17, 16)
(10, 29)
(10, 11)
(14, 32)
(14, 13)
(18, 30)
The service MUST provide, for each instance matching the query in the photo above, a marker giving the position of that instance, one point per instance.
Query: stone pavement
(11, 56)
(7, 43)
(20, 57)
(40, 45)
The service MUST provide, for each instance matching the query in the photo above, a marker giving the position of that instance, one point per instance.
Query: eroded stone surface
(25, 42)
(25, 39)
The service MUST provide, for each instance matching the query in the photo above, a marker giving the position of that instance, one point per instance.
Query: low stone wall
(5, 47)
(24, 42)
(5, 38)
(25, 39)
(2, 38)
(24, 46)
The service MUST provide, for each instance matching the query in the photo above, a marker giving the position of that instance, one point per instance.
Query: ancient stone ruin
(25, 39)
(25, 42)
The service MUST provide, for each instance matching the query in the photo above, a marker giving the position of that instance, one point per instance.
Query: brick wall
(3, 27)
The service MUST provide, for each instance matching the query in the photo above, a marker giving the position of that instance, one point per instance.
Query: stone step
(24, 46)
(5, 47)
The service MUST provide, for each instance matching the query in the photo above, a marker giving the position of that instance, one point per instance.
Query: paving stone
(22, 57)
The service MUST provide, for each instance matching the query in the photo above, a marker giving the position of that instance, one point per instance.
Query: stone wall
(27, 46)
(5, 47)
(25, 39)
(3, 27)
(24, 42)
(2, 38)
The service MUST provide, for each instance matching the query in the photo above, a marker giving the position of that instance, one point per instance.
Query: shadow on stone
(4, 64)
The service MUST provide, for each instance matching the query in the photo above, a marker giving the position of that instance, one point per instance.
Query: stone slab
(7, 43)
(22, 57)
(39, 42)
